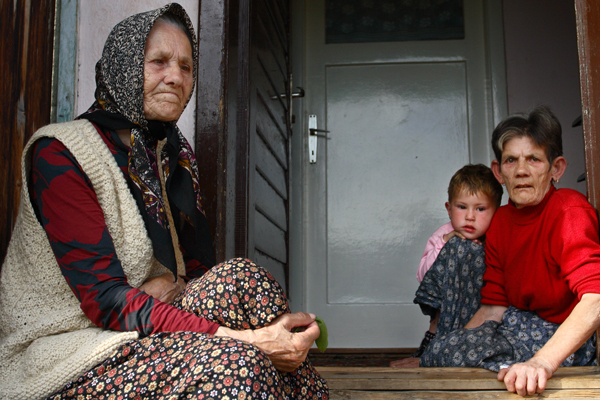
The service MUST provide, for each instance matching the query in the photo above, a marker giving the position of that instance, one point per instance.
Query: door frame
(27, 74)
(587, 14)
(218, 22)
(298, 213)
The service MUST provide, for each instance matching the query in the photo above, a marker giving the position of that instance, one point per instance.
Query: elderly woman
(108, 289)
(540, 298)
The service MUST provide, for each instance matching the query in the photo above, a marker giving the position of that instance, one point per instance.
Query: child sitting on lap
(474, 194)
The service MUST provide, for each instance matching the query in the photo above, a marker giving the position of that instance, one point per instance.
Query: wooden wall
(27, 31)
(211, 116)
(588, 42)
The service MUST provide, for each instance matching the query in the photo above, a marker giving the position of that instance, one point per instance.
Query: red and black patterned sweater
(68, 209)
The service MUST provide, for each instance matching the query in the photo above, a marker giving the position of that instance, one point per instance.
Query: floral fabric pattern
(453, 286)
(188, 365)
(516, 339)
(237, 294)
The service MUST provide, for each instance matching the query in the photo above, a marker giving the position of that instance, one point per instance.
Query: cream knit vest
(45, 339)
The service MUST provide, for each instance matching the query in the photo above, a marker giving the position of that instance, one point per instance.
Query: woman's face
(168, 72)
(526, 171)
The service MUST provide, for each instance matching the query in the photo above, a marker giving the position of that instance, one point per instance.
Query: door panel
(402, 118)
(383, 143)
(270, 168)
(263, 214)
(269, 127)
(268, 199)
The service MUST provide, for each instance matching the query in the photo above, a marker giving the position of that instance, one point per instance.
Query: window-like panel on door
(359, 21)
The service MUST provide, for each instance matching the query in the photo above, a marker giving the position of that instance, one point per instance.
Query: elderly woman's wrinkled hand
(163, 287)
(527, 378)
(286, 349)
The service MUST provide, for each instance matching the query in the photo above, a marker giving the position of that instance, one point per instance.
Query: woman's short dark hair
(540, 125)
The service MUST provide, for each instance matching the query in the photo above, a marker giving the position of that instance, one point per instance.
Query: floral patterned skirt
(189, 365)
(493, 345)
(453, 286)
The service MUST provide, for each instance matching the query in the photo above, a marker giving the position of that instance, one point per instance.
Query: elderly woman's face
(525, 170)
(168, 72)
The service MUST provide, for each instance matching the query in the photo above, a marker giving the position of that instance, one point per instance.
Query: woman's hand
(527, 378)
(285, 349)
(163, 288)
(486, 313)
(530, 377)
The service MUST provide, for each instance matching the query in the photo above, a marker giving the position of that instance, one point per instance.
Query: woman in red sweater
(541, 297)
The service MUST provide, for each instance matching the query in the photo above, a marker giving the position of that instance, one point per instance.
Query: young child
(474, 194)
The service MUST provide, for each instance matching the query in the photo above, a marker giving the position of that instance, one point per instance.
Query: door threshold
(368, 357)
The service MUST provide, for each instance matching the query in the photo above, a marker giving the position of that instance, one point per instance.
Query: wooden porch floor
(382, 383)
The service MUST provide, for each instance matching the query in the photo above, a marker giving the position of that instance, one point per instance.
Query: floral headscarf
(120, 105)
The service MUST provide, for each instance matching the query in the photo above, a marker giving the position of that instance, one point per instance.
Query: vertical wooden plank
(588, 42)
(243, 128)
(587, 13)
(285, 14)
(269, 125)
(211, 116)
(66, 75)
(26, 86)
(262, 71)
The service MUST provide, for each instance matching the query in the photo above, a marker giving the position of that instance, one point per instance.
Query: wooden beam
(462, 395)
(243, 128)
(587, 13)
(211, 116)
(442, 379)
(27, 29)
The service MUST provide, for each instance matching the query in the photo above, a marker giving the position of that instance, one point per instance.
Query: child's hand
(450, 235)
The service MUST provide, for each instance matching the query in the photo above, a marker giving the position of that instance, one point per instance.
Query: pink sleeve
(432, 249)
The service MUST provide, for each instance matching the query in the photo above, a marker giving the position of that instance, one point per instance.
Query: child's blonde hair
(474, 179)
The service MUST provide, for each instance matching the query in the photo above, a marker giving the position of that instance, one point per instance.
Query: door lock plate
(312, 139)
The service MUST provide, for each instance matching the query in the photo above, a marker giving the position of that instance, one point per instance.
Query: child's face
(471, 214)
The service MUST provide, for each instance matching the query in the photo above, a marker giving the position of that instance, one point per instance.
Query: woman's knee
(237, 294)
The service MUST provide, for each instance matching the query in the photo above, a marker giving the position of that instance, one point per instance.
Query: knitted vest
(46, 340)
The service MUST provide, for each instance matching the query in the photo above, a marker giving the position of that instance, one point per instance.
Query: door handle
(294, 95)
(313, 134)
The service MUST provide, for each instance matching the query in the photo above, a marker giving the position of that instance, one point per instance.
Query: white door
(402, 118)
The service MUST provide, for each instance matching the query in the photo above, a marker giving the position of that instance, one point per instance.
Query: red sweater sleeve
(493, 292)
(576, 250)
(68, 209)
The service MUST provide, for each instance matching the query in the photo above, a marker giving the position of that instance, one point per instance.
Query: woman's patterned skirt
(188, 365)
(453, 286)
